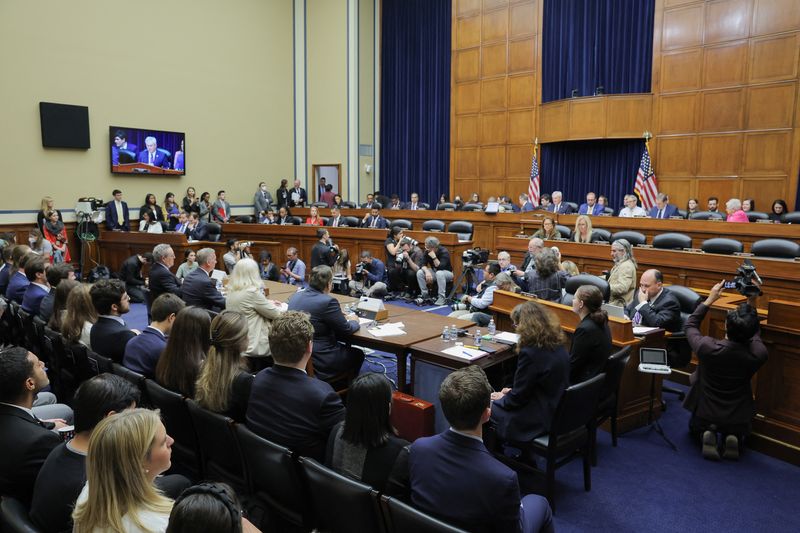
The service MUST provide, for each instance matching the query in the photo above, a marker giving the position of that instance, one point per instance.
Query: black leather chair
(601, 235)
(791, 218)
(706, 215)
(402, 518)
(219, 446)
(672, 241)
(37, 326)
(433, 225)
(25, 323)
(14, 517)
(134, 378)
(214, 231)
(273, 478)
(340, 504)
(324, 220)
(320, 205)
(178, 421)
(779, 248)
(573, 205)
(296, 220)
(349, 205)
(17, 329)
(446, 206)
(403, 223)
(683, 213)
(353, 222)
(245, 219)
(472, 207)
(6, 327)
(463, 228)
(585, 279)
(99, 364)
(609, 397)
(720, 245)
(82, 367)
(754, 216)
(608, 211)
(633, 237)
(565, 231)
(425, 205)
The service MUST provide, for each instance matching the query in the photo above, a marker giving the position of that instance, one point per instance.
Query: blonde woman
(79, 317)
(246, 296)
(223, 386)
(126, 453)
(46, 206)
(583, 229)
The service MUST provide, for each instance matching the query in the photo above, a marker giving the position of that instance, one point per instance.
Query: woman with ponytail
(591, 342)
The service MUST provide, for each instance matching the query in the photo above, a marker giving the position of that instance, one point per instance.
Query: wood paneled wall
(724, 106)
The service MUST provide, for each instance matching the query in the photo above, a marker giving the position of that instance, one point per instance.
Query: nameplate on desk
(506, 337)
(643, 330)
(644, 245)
(372, 308)
(695, 250)
(743, 254)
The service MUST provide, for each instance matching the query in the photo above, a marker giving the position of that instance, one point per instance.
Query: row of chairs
(461, 227)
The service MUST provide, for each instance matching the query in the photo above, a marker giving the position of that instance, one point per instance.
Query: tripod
(468, 274)
(654, 424)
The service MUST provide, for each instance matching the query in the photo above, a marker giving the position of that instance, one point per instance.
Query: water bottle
(478, 338)
(453, 332)
(445, 334)
(492, 328)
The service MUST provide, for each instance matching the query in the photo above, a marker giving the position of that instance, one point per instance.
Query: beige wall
(366, 91)
(221, 72)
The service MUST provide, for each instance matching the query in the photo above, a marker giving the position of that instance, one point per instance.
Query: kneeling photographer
(407, 261)
(369, 279)
(472, 305)
(435, 268)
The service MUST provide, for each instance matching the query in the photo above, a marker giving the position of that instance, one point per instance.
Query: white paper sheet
(464, 353)
(506, 337)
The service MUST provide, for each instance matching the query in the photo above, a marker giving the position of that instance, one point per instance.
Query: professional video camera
(475, 256)
(743, 282)
(360, 268)
(408, 240)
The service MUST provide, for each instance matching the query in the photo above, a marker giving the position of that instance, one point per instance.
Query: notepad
(387, 330)
(464, 353)
(506, 337)
(642, 330)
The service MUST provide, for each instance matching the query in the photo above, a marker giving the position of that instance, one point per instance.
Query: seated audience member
(663, 209)
(721, 399)
(126, 453)
(294, 273)
(483, 299)
(209, 506)
(55, 232)
(262, 199)
(188, 343)
(199, 288)
(287, 406)
(591, 342)
(591, 207)
(546, 280)
(570, 268)
(246, 296)
(558, 206)
(535, 245)
(748, 205)
(110, 334)
(79, 317)
(374, 219)
(39, 245)
(188, 266)
(395, 203)
(778, 210)
(6, 267)
(236, 250)
(38, 288)
(221, 210)
(455, 478)
(151, 208)
(653, 305)
(197, 229)
(370, 277)
(336, 219)
(268, 270)
(266, 217)
(712, 204)
(548, 230)
(314, 219)
(59, 303)
(47, 206)
(148, 225)
(284, 216)
(17, 281)
(25, 441)
(733, 208)
(692, 207)
(223, 386)
(622, 277)
(342, 272)
(504, 260)
(324, 251)
(161, 278)
(583, 229)
(631, 208)
(443, 199)
(525, 411)
(330, 356)
(436, 267)
(117, 216)
(142, 352)
(131, 273)
(364, 446)
(414, 204)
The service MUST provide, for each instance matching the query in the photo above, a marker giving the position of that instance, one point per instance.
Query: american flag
(533, 187)
(646, 186)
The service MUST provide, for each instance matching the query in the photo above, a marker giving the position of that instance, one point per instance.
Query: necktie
(660, 213)
(374, 219)
(637, 318)
(120, 215)
(151, 158)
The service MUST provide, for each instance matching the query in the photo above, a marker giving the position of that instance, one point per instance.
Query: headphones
(214, 489)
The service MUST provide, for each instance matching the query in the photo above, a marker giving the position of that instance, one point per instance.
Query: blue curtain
(415, 98)
(606, 167)
(592, 43)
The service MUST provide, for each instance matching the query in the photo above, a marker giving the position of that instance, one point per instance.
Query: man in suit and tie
(262, 199)
(123, 148)
(321, 188)
(414, 204)
(117, 216)
(25, 441)
(38, 288)
(330, 355)
(199, 288)
(196, 229)
(294, 273)
(558, 206)
(663, 209)
(591, 207)
(370, 203)
(161, 278)
(454, 477)
(653, 305)
(110, 334)
(336, 220)
(143, 351)
(297, 196)
(286, 405)
(374, 219)
(151, 155)
(183, 224)
(524, 204)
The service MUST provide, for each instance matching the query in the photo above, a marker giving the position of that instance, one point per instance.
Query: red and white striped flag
(534, 186)
(646, 186)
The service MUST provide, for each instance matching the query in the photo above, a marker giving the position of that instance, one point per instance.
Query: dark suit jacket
(595, 210)
(17, 285)
(294, 410)
(109, 337)
(330, 326)
(455, 478)
(591, 346)
(563, 209)
(199, 233)
(321, 255)
(200, 290)
(142, 352)
(131, 271)
(665, 312)
(303, 197)
(34, 295)
(24, 446)
(159, 159)
(4, 273)
(527, 410)
(111, 217)
(380, 223)
(338, 222)
(669, 211)
(163, 280)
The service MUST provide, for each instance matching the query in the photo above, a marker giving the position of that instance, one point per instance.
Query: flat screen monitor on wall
(146, 151)
(64, 126)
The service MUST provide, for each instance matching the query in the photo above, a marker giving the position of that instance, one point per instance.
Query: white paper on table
(386, 330)
(362, 321)
(506, 337)
(218, 274)
(464, 352)
(282, 306)
(642, 330)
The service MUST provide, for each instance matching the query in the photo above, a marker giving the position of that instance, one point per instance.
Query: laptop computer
(614, 310)
(653, 361)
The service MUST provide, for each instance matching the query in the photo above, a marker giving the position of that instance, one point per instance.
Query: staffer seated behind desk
(591, 342)
(653, 305)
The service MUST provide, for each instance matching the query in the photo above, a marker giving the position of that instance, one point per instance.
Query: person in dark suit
(297, 195)
(455, 478)
(262, 199)
(142, 352)
(131, 273)
(371, 202)
(414, 204)
(287, 406)
(151, 155)
(323, 252)
(55, 275)
(110, 334)
(374, 219)
(38, 288)
(162, 279)
(653, 305)
(591, 207)
(7, 267)
(199, 289)
(196, 230)
(17, 281)
(330, 356)
(117, 215)
(25, 441)
(122, 146)
(591, 342)
(336, 219)
(525, 410)
(721, 399)
(558, 206)
(663, 209)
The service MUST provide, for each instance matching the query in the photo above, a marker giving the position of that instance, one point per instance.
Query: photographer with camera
(236, 250)
(436, 267)
(324, 252)
(369, 277)
(470, 305)
(392, 246)
(408, 261)
(720, 398)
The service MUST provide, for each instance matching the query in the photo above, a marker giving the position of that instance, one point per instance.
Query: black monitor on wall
(64, 126)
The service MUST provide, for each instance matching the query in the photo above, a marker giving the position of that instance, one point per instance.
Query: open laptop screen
(653, 356)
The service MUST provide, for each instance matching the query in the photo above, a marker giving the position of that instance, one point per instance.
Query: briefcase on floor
(413, 418)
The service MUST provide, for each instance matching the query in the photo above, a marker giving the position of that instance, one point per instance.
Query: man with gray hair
(161, 279)
(435, 267)
(631, 209)
(151, 155)
(558, 207)
(199, 288)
